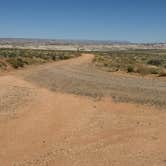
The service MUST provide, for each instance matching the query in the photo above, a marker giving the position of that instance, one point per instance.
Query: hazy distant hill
(87, 45)
(57, 41)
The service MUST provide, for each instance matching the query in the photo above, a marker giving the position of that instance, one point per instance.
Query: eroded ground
(70, 113)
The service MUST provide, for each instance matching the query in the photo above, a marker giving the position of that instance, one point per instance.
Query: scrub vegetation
(144, 62)
(18, 58)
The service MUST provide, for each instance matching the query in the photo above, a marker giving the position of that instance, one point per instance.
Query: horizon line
(84, 40)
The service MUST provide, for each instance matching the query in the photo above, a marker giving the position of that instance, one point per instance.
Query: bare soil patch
(43, 123)
(80, 76)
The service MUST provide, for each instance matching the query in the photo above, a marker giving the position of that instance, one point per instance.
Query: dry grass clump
(162, 73)
(3, 65)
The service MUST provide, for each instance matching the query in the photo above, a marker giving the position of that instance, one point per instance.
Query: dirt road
(65, 114)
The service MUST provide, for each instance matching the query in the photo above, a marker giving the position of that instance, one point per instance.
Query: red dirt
(40, 127)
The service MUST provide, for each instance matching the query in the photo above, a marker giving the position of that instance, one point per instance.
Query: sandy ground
(69, 113)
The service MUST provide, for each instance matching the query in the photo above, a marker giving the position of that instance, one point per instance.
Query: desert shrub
(54, 58)
(105, 64)
(154, 71)
(143, 62)
(155, 62)
(66, 56)
(20, 57)
(130, 69)
(61, 57)
(16, 62)
(99, 58)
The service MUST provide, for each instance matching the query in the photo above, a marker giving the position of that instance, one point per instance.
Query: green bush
(130, 69)
(54, 58)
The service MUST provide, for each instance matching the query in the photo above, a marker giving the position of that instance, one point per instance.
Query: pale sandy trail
(79, 76)
(40, 127)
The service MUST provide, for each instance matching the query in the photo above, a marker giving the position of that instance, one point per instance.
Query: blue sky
(131, 20)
